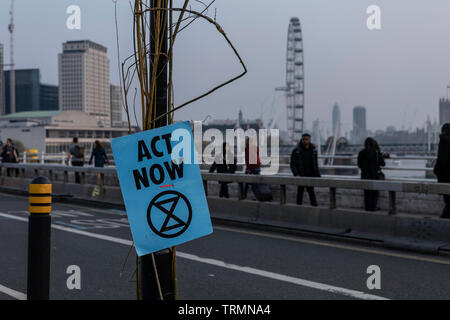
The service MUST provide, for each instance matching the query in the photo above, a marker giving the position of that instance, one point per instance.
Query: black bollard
(39, 225)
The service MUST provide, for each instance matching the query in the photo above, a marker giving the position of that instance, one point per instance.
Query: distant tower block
(295, 81)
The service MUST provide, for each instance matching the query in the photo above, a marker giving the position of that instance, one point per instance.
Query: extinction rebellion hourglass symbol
(174, 209)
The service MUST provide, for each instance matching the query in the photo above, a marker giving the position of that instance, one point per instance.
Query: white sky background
(398, 73)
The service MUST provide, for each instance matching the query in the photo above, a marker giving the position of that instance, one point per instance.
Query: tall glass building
(31, 95)
(359, 132)
(336, 121)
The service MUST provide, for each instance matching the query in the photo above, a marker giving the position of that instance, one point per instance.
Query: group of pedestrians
(371, 160)
(76, 157)
(226, 162)
(304, 163)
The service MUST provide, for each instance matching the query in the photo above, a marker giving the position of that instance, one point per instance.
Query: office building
(336, 121)
(27, 90)
(116, 107)
(53, 131)
(48, 97)
(31, 95)
(2, 82)
(359, 131)
(84, 80)
(444, 111)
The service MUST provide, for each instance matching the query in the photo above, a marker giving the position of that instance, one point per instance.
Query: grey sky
(398, 73)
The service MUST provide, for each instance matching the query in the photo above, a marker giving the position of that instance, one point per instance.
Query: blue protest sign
(162, 187)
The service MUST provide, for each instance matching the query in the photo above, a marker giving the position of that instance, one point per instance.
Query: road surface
(232, 263)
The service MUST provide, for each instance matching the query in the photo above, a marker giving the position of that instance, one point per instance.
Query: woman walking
(370, 161)
(225, 162)
(100, 157)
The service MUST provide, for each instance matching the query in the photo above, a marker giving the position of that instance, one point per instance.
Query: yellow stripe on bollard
(38, 199)
(40, 196)
(40, 189)
(36, 210)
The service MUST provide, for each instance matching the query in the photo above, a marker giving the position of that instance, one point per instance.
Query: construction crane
(12, 74)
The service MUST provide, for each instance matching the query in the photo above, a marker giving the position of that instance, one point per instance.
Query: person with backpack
(9, 155)
(100, 158)
(305, 163)
(370, 161)
(76, 157)
(261, 191)
(224, 162)
(442, 167)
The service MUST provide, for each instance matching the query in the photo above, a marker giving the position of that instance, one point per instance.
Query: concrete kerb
(413, 233)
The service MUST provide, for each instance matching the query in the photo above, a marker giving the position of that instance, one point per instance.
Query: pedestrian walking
(76, 157)
(252, 162)
(442, 167)
(100, 158)
(370, 161)
(225, 162)
(9, 155)
(304, 163)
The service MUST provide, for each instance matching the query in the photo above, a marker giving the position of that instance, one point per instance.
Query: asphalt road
(232, 263)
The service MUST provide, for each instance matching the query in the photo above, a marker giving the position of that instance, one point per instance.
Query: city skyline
(375, 69)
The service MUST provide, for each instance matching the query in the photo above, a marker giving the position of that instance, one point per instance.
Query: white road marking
(322, 243)
(284, 278)
(80, 232)
(13, 293)
(222, 264)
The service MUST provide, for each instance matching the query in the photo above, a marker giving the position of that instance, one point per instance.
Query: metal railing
(60, 158)
(43, 157)
(351, 167)
(392, 187)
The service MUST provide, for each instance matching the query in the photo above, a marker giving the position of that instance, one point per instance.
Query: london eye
(295, 85)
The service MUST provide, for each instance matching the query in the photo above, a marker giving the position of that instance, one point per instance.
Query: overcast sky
(398, 72)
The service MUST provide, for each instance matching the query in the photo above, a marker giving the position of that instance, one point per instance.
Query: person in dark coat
(442, 167)
(225, 162)
(76, 156)
(9, 155)
(304, 163)
(99, 155)
(370, 161)
(100, 158)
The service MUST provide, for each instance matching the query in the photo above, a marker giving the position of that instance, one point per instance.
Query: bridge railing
(392, 187)
(20, 170)
(49, 158)
(332, 184)
(60, 158)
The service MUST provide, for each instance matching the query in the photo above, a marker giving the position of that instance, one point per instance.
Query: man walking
(9, 155)
(76, 156)
(304, 163)
(442, 167)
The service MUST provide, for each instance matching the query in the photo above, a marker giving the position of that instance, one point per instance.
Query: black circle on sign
(169, 213)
